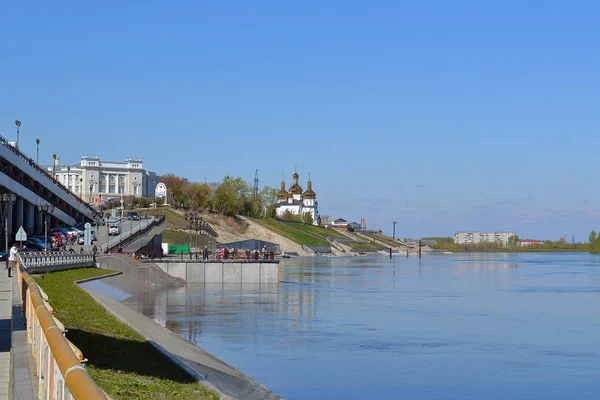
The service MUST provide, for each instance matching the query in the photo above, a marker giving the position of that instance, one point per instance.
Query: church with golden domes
(297, 201)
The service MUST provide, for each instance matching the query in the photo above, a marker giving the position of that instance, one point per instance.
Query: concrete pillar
(19, 214)
(9, 228)
(29, 216)
(39, 222)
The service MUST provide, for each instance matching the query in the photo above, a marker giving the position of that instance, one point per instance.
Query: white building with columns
(94, 178)
(296, 201)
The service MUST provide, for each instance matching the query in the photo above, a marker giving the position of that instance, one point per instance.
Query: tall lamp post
(5, 200)
(18, 124)
(80, 187)
(54, 165)
(191, 217)
(68, 177)
(45, 208)
(394, 233)
(37, 154)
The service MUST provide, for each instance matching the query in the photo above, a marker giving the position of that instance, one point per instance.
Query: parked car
(64, 235)
(74, 231)
(133, 216)
(94, 237)
(58, 237)
(36, 242)
(114, 230)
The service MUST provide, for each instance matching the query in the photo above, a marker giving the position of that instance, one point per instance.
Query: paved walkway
(5, 331)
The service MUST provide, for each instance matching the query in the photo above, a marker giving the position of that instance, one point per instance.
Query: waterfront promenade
(5, 333)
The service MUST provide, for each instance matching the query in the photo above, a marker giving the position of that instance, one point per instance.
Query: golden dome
(309, 194)
(283, 194)
(296, 188)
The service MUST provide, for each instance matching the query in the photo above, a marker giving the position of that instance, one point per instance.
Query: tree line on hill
(231, 196)
(561, 245)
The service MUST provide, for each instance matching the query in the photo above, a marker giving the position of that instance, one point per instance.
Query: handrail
(51, 349)
(33, 164)
(134, 234)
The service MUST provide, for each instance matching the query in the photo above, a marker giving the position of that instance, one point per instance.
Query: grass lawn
(175, 220)
(316, 230)
(290, 233)
(183, 238)
(363, 245)
(121, 361)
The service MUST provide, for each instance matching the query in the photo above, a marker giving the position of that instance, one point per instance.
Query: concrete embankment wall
(143, 272)
(223, 272)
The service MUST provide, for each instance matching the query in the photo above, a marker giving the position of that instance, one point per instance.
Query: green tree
(175, 186)
(593, 236)
(233, 196)
(512, 241)
(199, 195)
(307, 218)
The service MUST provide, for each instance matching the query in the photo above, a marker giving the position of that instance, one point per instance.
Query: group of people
(222, 254)
(229, 254)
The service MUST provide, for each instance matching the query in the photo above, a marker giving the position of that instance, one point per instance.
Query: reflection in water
(491, 326)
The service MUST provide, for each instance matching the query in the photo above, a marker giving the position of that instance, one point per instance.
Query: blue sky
(440, 115)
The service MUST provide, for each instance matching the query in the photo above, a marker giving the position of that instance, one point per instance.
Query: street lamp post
(54, 165)
(18, 124)
(192, 218)
(45, 208)
(394, 233)
(5, 200)
(80, 187)
(37, 156)
(68, 177)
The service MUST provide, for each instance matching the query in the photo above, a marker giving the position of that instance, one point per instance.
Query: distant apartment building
(482, 237)
(93, 178)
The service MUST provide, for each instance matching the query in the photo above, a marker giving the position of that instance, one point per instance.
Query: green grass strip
(121, 361)
(316, 230)
(290, 233)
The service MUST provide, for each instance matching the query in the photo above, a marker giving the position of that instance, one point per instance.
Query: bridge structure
(21, 175)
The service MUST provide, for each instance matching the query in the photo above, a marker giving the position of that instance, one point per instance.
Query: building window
(136, 190)
(102, 184)
(111, 184)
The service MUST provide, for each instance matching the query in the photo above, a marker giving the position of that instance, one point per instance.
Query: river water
(465, 326)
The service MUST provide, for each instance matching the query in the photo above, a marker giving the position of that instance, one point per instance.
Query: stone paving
(6, 285)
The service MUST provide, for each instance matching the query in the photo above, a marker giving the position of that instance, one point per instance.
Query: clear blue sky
(441, 115)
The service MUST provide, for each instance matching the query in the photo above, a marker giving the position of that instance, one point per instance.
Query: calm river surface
(469, 326)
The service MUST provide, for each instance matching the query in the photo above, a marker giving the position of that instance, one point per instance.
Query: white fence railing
(42, 259)
(59, 364)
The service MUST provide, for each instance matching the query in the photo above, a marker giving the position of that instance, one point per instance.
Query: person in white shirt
(12, 259)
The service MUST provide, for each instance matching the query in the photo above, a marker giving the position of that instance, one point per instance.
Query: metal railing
(59, 364)
(125, 239)
(40, 259)
(33, 164)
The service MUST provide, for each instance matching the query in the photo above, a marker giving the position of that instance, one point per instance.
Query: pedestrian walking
(12, 259)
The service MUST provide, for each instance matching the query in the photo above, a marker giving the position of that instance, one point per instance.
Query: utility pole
(394, 232)
(256, 186)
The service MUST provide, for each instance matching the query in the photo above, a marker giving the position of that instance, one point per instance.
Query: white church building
(296, 201)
